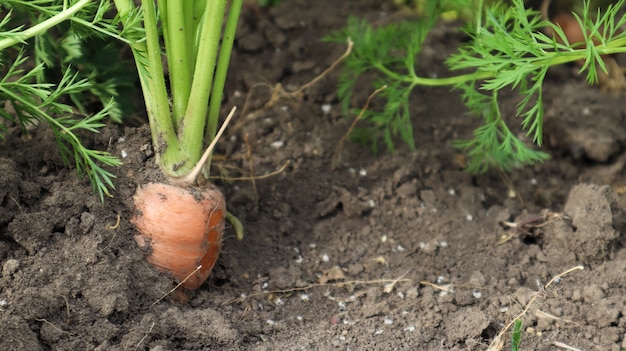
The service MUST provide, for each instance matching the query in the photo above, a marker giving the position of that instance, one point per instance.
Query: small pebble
(10, 267)
(277, 144)
(325, 108)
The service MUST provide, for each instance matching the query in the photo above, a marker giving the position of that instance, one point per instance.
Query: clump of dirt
(592, 232)
(391, 251)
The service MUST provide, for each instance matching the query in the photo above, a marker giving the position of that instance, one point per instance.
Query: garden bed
(401, 250)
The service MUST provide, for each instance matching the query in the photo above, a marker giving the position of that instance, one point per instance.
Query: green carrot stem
(191, 134)
(124, 8)
(552, 60)
(191, 24)
(178, 29)
(222, 68)
(152, 78)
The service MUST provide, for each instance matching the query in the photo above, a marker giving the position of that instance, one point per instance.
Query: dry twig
(345, 136)
(279, 93)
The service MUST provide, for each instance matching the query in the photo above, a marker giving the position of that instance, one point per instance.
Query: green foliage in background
(94, 57)
(55, 90)
(450, 11)
(506, 49)
(99, 61)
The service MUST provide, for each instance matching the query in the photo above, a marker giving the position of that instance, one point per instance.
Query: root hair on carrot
(176, 287)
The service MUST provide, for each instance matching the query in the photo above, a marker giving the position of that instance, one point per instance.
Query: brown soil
(389, 252)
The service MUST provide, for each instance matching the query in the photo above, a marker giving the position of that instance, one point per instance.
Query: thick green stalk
(179, 30)
(198, 19)
(41, 27)
(124, 8)
(222, 69)
(150, 69)
(191, 23)
(171, 155)
(191, 134)
(163, 17)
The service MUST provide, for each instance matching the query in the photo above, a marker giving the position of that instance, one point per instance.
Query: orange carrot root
(183, 227)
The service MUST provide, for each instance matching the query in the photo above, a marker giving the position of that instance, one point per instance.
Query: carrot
(180, 222)
(183, 227)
